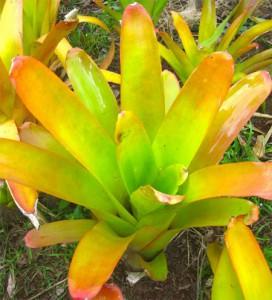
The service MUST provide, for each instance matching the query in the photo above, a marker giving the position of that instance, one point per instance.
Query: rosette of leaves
(146, 170)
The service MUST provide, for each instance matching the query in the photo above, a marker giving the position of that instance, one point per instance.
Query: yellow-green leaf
(188, 119)
(92, 88)
(248, 262)
(141, 81)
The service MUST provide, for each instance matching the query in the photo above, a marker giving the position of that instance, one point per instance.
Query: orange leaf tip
(80, 293)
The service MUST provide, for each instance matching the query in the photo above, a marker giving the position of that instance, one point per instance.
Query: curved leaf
(146, 200)
(185, 66)
(172, 60)
(170, 179)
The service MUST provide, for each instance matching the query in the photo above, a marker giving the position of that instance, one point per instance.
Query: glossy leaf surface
(59, 232)
(243, 100)
(51, 174)
(11, 33)
(243, 179)
(92, 88)
(99, 250)
(248, 262)
(141, 81)
(146, 200)
(214, 212)
(83, 137)
(206, 87)
(226, 285)
(36, 135)
(134, 152)
(208, 20)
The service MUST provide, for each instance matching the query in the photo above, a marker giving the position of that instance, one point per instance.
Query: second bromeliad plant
(147, 172)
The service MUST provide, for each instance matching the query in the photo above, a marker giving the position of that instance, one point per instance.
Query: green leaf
(151, 226)
(214, 212)
(186, 37)
(170, 179)
(172, 60)
(92, 88)
(208, 21)
(214, 251)
(141, 81)
(134, 152)
(186, 67)
(226, 285)
(156, 269)
(158, 8)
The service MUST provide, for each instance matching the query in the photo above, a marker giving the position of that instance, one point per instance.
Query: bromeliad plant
(146, 173)
(153, 7)
(213, 37)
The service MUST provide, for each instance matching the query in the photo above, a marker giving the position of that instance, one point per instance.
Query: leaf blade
(137, 26)
(240, 180)
(190, 111)
(100, 249)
